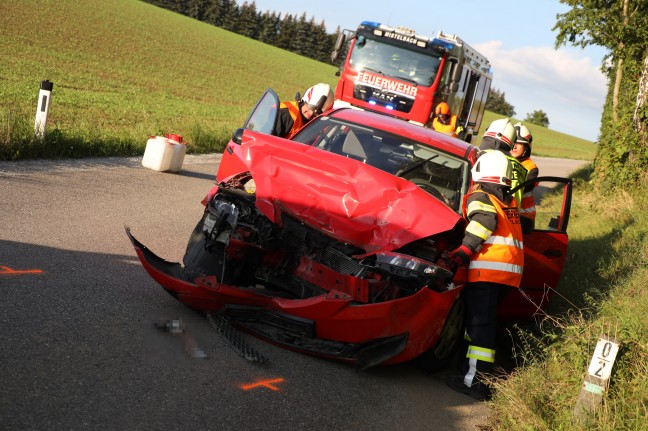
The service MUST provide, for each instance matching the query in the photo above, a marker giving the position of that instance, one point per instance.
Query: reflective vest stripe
(480, 206)
(496, 239)
(527, 205)
(478, 230)
(481, 354)
(496, 266)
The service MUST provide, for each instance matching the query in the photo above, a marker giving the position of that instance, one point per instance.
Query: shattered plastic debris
(175, 326)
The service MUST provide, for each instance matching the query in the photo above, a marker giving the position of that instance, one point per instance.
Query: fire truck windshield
(381, 58)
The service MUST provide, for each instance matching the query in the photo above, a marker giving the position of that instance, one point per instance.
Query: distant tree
(621, 26)
(268, 28)
(197, 9)
(323, 44)
(497, 103)
(230, 15)
(287, 32)
(249, 21)
(538, 117)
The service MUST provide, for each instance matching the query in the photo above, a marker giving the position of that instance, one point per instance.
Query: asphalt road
(77, 313)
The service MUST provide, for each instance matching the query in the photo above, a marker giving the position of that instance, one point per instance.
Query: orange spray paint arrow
(265, 383)
(5, 270)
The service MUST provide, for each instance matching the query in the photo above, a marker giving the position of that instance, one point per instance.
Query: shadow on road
(80, 332)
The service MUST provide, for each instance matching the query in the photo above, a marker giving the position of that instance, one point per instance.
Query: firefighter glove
(460, 256)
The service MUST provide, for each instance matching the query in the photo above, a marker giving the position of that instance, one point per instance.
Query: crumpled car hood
(347, 199)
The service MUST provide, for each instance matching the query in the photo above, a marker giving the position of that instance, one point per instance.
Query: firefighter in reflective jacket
(493, 251)
(295, 114)
(501, 136)
(522, 152)
(444, 122)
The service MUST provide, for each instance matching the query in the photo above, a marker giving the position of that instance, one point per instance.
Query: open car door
(545, 250)
(261, 119)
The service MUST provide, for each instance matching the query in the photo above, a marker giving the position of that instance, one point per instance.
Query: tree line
(301, 35)
(621, 26)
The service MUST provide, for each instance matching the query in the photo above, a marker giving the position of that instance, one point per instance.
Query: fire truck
(397, 72)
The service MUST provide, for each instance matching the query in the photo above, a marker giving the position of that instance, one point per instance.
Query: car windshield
(443, 175)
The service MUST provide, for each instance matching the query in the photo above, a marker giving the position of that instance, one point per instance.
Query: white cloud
(563, 83)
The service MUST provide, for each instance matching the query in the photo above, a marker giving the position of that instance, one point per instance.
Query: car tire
(446, 348)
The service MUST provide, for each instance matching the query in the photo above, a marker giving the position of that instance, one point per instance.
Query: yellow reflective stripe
(504, 240)
(496, 266)
(480, 206)
(478, 230)
(481, 354)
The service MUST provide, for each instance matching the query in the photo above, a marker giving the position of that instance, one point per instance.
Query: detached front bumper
(330, 325)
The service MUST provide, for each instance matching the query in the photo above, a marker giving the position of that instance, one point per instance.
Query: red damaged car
(333, 243)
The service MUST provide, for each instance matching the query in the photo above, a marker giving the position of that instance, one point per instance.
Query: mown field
(124, 70)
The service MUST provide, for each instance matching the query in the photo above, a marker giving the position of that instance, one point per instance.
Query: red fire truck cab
(397, 72)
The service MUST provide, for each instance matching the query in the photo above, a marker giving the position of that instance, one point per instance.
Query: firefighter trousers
(482, 300)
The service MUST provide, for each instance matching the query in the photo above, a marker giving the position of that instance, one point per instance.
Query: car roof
(399, 127)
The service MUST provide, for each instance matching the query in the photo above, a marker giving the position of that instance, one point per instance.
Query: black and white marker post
(42, 109)
(597, 379)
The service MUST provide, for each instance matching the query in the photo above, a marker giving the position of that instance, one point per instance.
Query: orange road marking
(265, 383)
(5, 270)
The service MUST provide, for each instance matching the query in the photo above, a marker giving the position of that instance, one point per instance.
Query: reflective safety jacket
(501, 258)
(295, 114)
(527, 206)
(447, 129)
(519, 176)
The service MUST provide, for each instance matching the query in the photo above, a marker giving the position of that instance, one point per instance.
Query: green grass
(124, 70)
(602, 291)
(549, 143)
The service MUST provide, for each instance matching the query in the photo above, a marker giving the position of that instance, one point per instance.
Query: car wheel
(440, 356)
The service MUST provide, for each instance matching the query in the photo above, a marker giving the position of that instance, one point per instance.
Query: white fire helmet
(523, 134)
(492, 167)
(319, 98)
(503, 131)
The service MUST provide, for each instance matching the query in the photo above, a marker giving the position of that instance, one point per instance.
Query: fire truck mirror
(455, 73)
(341, 38)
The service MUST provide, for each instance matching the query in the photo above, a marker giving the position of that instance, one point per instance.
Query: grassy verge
(603, 292)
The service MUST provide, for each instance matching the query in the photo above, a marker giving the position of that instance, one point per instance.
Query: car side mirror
(237, 136)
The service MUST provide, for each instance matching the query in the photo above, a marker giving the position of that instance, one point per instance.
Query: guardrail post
(42, 109)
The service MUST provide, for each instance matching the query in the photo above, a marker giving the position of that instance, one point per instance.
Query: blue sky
(515, 36)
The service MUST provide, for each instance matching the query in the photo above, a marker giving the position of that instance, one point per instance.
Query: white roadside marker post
(597, 379)
(42, 109)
